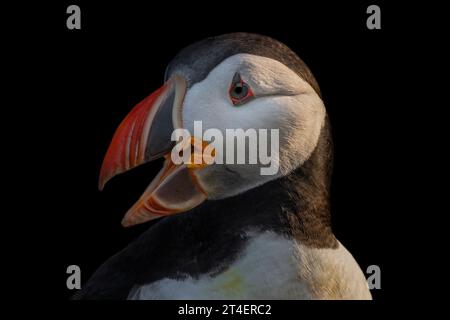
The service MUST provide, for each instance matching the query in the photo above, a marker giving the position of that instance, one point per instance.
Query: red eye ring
(239, 92)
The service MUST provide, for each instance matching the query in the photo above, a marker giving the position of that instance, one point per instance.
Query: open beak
(145, 135)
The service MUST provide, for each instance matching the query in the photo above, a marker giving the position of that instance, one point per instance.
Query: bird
(225, 231)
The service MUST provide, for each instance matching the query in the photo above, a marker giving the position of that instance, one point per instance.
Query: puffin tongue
(175, 189)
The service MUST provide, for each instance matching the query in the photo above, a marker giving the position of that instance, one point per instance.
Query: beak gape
(145, 135)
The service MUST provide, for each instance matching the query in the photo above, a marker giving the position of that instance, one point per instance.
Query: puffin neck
(296, 205)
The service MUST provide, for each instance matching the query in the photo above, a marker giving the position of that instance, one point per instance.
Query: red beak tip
(101, 185)
(102, 181)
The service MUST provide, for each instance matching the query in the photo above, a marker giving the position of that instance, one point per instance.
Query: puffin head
(235, 83)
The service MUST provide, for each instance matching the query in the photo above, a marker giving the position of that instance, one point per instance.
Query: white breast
(271, 267)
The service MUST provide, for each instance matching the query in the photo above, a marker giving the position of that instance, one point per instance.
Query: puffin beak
(145, 135)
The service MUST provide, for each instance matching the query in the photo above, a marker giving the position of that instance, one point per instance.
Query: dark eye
(240, 92)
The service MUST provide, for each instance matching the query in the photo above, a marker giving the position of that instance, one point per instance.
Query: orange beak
(145, 135)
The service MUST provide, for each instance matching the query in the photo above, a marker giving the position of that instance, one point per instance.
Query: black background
(92, 77)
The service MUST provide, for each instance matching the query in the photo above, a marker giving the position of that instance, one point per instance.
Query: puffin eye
(239, 91)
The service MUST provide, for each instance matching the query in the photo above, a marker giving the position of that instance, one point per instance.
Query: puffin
(224, 230)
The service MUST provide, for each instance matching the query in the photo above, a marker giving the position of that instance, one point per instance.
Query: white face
(282, 100)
